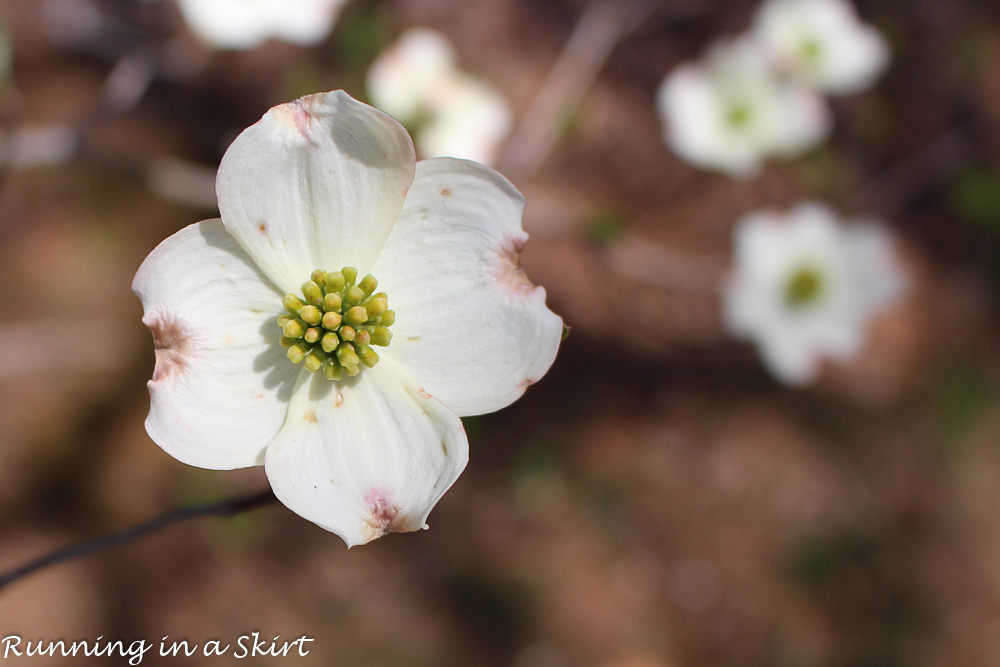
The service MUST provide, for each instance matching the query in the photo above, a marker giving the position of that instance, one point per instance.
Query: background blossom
(450, 112)
(805, 287)
(731, 111)
(823, 43)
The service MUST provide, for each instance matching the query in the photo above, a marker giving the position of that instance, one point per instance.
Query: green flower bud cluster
(333, 325)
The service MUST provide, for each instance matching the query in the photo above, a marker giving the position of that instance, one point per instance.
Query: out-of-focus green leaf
(604, 227)
(976, 197)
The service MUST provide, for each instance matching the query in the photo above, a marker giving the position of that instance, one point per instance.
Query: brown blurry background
(657, 500)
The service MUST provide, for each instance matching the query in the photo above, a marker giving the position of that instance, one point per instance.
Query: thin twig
(603, 24)
(223, 508)
(887, 194)
(666, 268)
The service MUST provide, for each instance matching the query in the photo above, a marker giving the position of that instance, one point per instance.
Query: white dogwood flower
(732, 111)
(451, 113)
(245, 24)
(823, 42)
(276, 345)
(805, 285)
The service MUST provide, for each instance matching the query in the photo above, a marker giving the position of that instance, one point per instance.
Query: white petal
(791, 358)
(802, 120)
(221, 385)
(876, 269)
(244, 24)
(304, 22)
(862, 59)
(223, 23)
(315, 184)
(366, 456)
(469, 324)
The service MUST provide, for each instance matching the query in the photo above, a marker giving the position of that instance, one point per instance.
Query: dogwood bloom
(805, 286)
(822, 42)
(245, 24)
(266, 322)
(451, 113)
(732, 110)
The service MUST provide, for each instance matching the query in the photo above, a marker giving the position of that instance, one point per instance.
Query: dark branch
(222, 508)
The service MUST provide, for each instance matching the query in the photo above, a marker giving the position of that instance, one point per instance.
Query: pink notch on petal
(384, 518)
(508, 269)
(301, 116)
(172, 343)
(296, 115)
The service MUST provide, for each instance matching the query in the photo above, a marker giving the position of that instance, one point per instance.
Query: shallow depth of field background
(657, 500)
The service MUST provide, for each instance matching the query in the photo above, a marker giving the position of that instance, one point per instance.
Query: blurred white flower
(822, 42)
(405, 76)
(471, 121)
(38, 146)
(732, 111)
(264, 357)
(805, 285)
(451, 113)
(245, 24)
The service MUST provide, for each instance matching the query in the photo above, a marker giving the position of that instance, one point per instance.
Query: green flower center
(804, 288)
(738, 115)
(811, 50)
(333, 325)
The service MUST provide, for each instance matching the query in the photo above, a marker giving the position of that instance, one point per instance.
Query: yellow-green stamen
(331, 326)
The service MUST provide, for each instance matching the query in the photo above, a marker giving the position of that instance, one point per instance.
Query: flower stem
(222, 508)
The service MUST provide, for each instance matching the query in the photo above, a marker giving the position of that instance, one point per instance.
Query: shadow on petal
(354, 138)
(320, 387)
(217, 237)
(279, 372)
